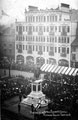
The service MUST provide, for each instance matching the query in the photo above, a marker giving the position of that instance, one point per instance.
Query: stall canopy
(59, 69)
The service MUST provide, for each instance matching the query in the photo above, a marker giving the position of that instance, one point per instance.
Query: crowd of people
(11, 87)
(61, 90)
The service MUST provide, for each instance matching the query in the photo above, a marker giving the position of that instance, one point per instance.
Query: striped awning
(59, 69)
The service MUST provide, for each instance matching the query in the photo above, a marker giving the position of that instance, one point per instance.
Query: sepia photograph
(38, 60)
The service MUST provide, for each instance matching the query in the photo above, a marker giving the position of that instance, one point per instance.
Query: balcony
(40, 52)
(63, 54)
(51, 53)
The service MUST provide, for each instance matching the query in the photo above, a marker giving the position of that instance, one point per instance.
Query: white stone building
(45, 36)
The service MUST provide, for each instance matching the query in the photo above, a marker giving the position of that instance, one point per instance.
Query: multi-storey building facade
(45, 36)
(74, 50)
(7, 42)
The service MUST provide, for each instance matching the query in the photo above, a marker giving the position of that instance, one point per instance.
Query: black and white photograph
(38, 59)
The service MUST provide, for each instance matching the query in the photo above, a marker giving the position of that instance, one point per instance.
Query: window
(55, 18)
(67, 39)
(40, 48)
(51, 18)
(36, 18)
(34, 87)
(47, 18)
(51, 28)
(55, 28)
(39, 18)
(55, 39)
(63, 50)
(39, 87)
(20, 30)
(39, 38)
(58, 49)
(64, 39)
(17, 46)
(59, 40)
(33, 47)
(47, 29)
(59, 28)
(67, 50)
(68, 29)
(44, 19)
(36, 48)
(47, 49)
(20, 38)
(36, 38)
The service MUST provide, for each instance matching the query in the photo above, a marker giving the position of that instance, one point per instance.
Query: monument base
(35, 98)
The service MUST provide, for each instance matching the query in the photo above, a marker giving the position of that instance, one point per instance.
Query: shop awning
(59, 69)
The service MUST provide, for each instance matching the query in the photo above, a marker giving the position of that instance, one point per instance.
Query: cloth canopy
(59, 69)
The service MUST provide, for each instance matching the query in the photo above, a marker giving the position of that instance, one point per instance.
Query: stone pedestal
(36, 96)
